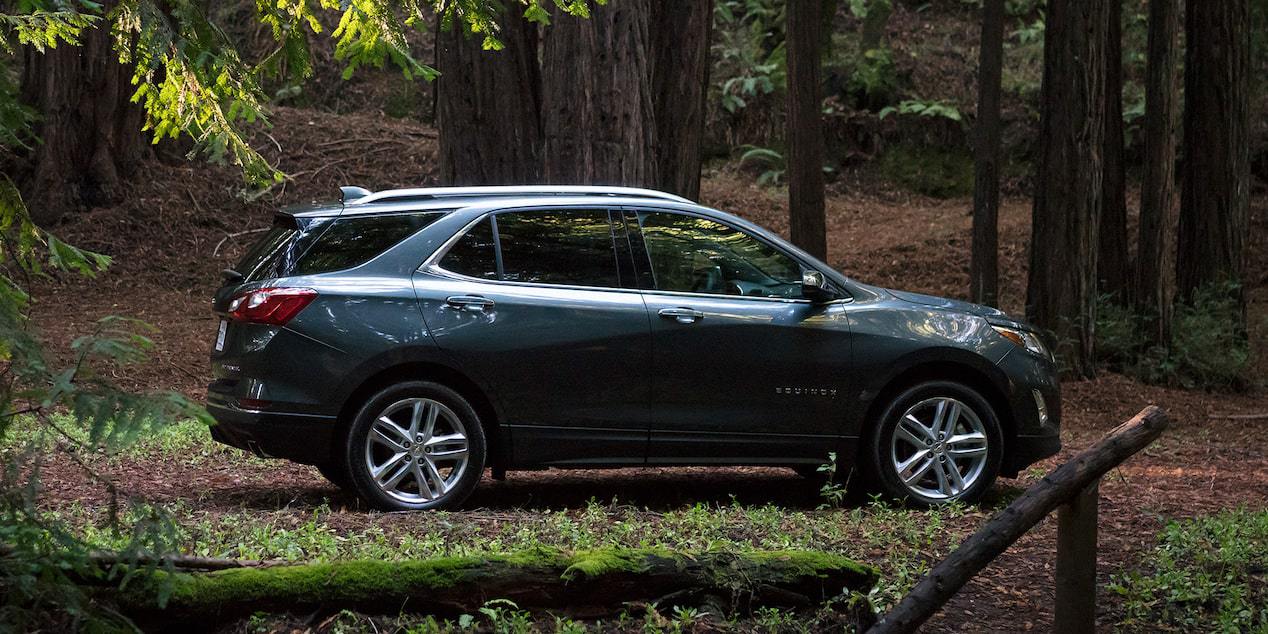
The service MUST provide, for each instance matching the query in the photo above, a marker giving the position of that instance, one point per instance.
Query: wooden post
(1076, 563)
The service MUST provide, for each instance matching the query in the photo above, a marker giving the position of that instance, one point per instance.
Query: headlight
(1028, 340)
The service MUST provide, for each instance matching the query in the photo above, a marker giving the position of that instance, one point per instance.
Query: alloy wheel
(417, 450)
(939, 448)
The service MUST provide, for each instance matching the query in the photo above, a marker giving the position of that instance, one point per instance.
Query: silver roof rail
(360, 196)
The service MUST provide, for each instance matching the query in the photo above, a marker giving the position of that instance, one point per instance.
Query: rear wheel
(415, 446)
(936, 442)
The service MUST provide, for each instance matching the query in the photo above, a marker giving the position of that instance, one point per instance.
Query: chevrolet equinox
(404, 341)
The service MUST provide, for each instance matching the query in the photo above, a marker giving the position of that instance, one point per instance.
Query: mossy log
(583, 584)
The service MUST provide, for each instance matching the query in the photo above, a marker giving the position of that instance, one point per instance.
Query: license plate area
(220, 335)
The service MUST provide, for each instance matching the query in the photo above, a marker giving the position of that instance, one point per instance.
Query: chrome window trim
(432, 266)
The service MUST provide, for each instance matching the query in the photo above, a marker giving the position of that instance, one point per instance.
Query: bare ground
(181, 224)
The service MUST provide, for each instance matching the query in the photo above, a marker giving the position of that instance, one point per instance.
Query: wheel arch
(498, 449)
(991, 385)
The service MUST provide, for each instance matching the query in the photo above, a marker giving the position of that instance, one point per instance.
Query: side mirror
(814, 287)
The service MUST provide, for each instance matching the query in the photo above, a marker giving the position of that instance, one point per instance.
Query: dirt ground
(183, 222)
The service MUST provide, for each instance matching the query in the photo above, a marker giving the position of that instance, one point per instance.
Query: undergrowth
(1206, 574)
(1208, 349)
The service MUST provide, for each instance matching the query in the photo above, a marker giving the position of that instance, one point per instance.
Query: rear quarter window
(308, 246)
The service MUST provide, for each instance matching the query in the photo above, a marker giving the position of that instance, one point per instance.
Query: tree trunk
(680, 35)
(807, 222)
(1061, 293)
(90, 132)
(984, 267)
(1216, 167)
(489, 106)
(1159, 202)
(585, 584)
(597, 109)
(1111, 261)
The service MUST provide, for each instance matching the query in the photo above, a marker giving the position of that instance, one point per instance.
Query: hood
(992, 315)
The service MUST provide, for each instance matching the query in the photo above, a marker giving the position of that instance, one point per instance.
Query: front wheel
(937, 442)
(415, 446)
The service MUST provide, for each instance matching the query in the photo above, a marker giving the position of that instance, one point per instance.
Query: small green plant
(832, 490)
(874, 80)
(771, 163)
(505, 617)
(922, 108)
(686, 618)
(1205, 574)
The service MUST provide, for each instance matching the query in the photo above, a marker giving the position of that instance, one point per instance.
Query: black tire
(881, 453)
(335, 473)
(355, 456)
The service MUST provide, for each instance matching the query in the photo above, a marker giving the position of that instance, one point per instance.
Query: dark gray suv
(404, 341)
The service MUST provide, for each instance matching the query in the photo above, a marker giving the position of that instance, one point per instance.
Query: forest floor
(183, 222)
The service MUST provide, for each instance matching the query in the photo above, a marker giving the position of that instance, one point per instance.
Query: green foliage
(922, 108)
(771, 163)
(931, 170)
(874, 80)
(749, 47)
(832, 490)
(1209, 348)
(72, 406)
(1205, 574)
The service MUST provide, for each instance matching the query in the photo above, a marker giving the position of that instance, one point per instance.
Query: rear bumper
(305, 438)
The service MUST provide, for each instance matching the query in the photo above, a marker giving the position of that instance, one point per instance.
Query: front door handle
(469, 302)
(681, 315)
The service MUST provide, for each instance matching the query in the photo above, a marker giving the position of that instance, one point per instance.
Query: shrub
(930, 170)
(1209, 348)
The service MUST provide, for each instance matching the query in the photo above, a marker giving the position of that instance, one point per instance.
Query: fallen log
(1056, 489)
(584, 584)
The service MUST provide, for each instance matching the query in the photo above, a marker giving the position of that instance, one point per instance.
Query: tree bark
(1112, 263)
(1055, 489)
(680, 36)
(1159, 203)
(586, 584)
(1216, 193)
(90, 132)
(489, 106)
(1061, 291)
(984, 267)
(807, 222)
(597, 110)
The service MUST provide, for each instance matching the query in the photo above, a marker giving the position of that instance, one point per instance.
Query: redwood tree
(984, 267)
(1216, 168)
(90, 132)
(488, 106)
(597, 112)
(807, 222)
(1061, 294)
(680, 35)
(1112, 263)
(1159, 200)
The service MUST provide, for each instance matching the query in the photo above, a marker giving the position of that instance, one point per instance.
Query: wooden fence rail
(1073, 487)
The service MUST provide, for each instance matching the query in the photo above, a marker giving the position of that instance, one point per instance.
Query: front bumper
(1035, 436)
(305, 438)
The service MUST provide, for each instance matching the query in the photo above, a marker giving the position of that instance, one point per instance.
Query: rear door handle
(681, 315)
(469, 302)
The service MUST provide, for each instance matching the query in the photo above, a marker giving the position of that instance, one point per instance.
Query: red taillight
(274, 306)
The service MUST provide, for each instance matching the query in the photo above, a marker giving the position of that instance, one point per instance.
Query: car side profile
(405, 341)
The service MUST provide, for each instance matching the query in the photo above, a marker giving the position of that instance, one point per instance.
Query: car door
(744, 369)
(531, 303)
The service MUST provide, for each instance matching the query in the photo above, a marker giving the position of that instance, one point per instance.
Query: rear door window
(572, 247)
